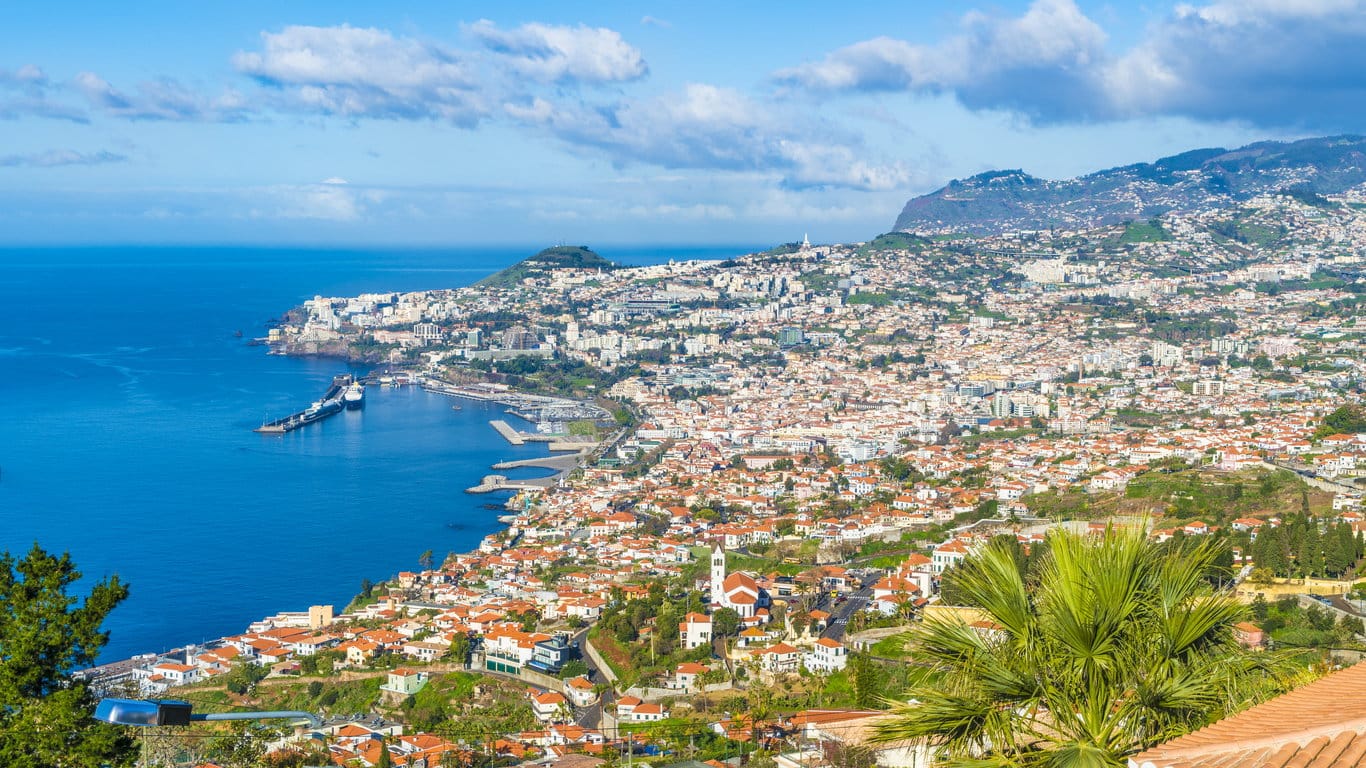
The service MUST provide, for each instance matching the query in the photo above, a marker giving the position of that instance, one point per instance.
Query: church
(738, 591)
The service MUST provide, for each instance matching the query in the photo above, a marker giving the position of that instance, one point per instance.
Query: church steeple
(718, 574)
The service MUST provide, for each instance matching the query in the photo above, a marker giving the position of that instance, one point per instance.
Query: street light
(144, 712)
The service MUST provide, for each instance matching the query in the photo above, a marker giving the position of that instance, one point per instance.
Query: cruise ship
(354, 397)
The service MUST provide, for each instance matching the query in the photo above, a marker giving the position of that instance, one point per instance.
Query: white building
(827, 656)
(694, 631)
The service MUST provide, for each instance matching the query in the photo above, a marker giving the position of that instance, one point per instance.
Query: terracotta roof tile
(1307, 728)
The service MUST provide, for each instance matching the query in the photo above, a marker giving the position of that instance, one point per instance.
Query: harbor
(344, 393)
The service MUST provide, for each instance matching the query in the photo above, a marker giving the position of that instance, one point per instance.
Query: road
(591, 717)
(840, 615)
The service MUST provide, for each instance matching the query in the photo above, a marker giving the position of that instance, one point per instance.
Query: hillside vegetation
(549, 260)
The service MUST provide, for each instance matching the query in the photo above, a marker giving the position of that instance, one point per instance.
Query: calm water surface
(126, 436)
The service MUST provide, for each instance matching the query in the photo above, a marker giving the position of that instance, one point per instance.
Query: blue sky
(697, 122)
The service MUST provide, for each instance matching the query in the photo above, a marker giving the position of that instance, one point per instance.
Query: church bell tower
(718, 574)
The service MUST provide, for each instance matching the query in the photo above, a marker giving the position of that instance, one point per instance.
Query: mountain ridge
(1005, 200)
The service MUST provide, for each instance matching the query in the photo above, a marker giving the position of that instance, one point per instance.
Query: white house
(631, 709)
(778, 658)
(550, 706)
(687, 676)
(827, 656)
(580, 692)
(694, 631)
(949, 554)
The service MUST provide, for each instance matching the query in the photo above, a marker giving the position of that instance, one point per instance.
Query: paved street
(840, 614)
(591, 717)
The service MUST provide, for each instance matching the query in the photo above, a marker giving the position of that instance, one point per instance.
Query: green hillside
(548, 260)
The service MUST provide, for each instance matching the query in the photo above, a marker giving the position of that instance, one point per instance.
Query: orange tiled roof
(1311, 727)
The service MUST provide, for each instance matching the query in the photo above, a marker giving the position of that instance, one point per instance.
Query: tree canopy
(46, 716)
(1118, 644)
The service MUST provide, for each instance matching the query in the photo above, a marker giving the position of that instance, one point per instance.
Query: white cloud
(28, 75)
(163, 99)
(53, 158)
(328, 202)
(364, 72)
(551, 53)
(1283, 63)
(27, 91)
(706, 126)
(694, 212)
(1039, 63)
(1280, 63)
(824, 165)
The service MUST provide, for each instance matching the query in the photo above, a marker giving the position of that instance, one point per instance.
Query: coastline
(564, 464)
(191, 392)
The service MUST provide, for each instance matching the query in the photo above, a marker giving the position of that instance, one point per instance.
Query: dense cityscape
(782, 461)
(683, 385)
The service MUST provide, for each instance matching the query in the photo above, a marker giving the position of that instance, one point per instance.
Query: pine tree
(1334, 559)
(45, 634)
(1348, 543)
(1270, 550)
(1312, 549)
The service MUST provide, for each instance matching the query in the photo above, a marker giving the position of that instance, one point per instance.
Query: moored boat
(354, 397)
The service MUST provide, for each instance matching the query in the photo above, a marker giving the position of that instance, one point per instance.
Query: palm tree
(1119, 645)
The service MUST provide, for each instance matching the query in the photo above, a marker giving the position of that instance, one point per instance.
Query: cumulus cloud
(1040, 63)
(53, 158)
(707, 126)
(1267, 62)
(551, 53)
(364, 72)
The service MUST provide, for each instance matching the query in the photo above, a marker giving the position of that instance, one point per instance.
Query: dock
(492, 483)
(561, 463)
(572, 445)
(508, 433)
(328, 405)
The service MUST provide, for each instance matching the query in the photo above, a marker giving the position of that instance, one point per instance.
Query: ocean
(126, 437)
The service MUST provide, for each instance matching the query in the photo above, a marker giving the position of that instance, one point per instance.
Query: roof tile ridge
(1302, 737)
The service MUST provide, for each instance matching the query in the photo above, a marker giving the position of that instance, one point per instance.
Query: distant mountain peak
(1008, 200)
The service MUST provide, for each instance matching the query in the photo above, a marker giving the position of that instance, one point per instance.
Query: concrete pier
(572, 445)
(561, 463)
(508, 433)
(330, 404)
(492, 483)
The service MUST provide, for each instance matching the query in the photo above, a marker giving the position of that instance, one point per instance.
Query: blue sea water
(126, 409)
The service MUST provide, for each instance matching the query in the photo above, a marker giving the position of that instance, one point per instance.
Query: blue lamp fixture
(143, 712)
